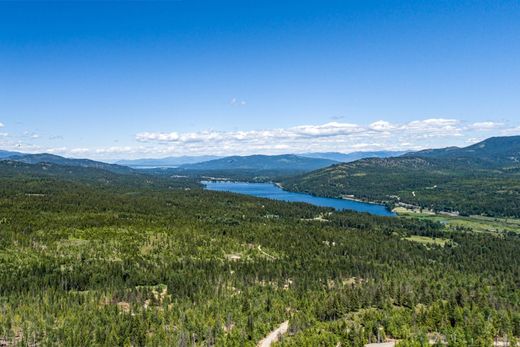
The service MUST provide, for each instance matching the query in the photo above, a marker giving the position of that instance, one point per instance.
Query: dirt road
(274, 335)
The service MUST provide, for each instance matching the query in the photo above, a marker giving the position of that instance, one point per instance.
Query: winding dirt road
(274, 335)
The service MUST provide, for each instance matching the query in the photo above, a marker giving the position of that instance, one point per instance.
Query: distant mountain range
(281, 163)
(286, 162)
(265, 164)
(184, 160)
(481, 178)
(166, 162)
(489, 153)
(240, 166)
(349, 157)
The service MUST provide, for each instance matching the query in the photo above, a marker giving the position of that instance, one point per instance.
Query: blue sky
(150, 79)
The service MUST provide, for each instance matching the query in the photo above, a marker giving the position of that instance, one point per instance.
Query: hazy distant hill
(59, 160)
(166, 162)
(484, 177)
(353, 156)
(286, 162)
(7, 154)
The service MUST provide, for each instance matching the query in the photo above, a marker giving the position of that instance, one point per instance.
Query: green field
(428, 240)
(472, 223)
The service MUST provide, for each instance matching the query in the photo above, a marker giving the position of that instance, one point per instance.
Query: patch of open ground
(428, 240)
(474, 223)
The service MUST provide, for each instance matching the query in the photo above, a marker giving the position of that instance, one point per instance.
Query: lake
(272, 191)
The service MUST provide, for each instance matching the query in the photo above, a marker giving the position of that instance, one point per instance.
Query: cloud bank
(333, 136)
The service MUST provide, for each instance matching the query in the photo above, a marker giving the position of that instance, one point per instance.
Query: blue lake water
(272, 191)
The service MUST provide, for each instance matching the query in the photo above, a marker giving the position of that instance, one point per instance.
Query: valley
(135, 258)
(259, 173)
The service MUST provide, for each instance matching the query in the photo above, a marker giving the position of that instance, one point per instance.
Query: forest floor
(274, 335)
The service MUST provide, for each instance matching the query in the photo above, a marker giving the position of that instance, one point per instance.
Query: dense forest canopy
(89, 257)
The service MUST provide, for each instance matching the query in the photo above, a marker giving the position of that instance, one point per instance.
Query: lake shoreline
(275, 191)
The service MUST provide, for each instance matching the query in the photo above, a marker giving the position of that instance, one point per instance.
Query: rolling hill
(349, 157)
(7, 154)
(62, 161)
(493, 152)
(483, 178)
(11, 169)
(282, 163)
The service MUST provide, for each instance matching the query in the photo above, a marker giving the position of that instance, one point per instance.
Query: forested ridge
(482, 179)
(102, 259)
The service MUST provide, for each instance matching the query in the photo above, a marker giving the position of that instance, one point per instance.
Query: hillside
(480, 179)
(353, 156)
(51, 172)
(59, 160)
(282, 163)
(7, 154)
(495, 151)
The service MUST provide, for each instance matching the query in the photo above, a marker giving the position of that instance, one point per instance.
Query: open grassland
(428, 240)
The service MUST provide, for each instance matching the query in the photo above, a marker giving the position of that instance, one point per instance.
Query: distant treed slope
(495, 151)
(7, 154)
(58, 160)
(92, 176)
(186, 160)
(288, 162)
(480, 179)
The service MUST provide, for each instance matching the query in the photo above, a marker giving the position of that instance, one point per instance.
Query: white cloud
(331, 136)
(57, 150)
(237, 102)
(31, 135)
(382, 125)
(434, 124)
(510, 131)
(78, 151)
(302, 131)
(147, 136)
(115, 150)
(480, 126)
(1, 125)
(329, 129)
